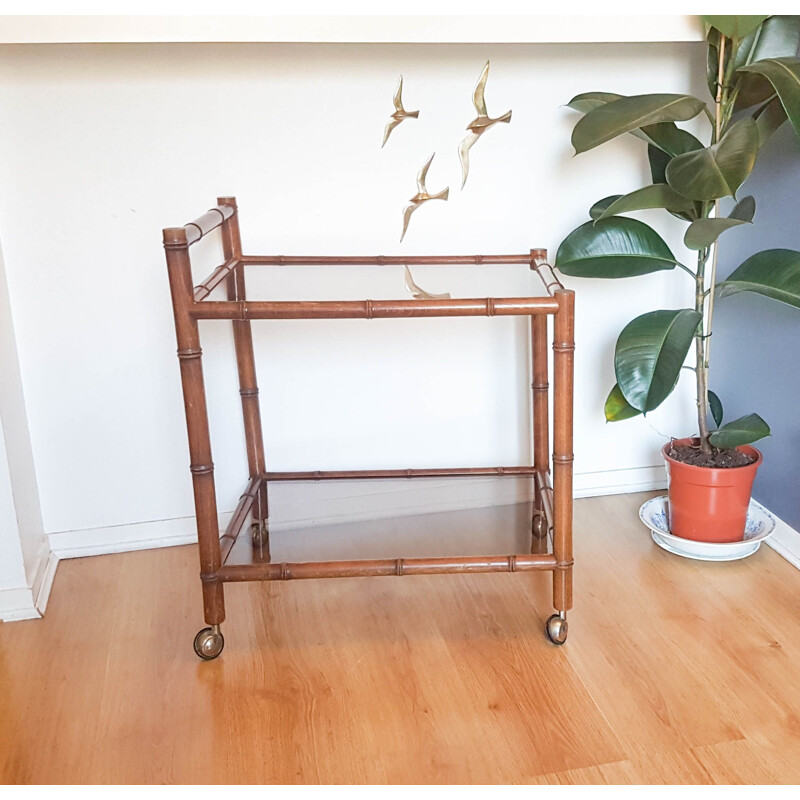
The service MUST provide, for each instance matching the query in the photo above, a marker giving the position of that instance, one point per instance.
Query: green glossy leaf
(715, 404)
(617, 247)
(659, 195)
(769, 119)
(703, 233)
(659, 159)
(629, 113)
(735, 26)
(601, 205)
(650, 353)
(589, 101)
(658, 170)
(712, 61)
(773, 273)
(617, 407)
(658, 164)
(719, 170)
(666, 136)
(778, 37)
(744, 430)
(784, 75)
(744, 210)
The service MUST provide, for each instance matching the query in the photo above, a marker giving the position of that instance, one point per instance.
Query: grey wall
(755, 353)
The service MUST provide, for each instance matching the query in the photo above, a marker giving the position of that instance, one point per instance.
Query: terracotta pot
(708, 504)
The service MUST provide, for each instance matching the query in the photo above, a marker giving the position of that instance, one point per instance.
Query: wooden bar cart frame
(551, 522)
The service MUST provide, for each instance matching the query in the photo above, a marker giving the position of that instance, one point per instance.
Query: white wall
(103, 145)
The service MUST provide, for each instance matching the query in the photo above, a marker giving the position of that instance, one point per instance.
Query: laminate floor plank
(656, 643)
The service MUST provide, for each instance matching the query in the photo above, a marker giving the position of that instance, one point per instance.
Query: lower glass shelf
(472, 532)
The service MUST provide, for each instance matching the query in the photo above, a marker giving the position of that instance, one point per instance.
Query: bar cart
(551, 518)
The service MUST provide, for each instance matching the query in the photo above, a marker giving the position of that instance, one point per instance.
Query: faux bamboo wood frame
(552, 509)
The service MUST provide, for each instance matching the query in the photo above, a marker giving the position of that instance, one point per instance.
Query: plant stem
(722, 103)
(711, 285)
(703, 339)
(687, 271)
(731, 100)
(700, 342)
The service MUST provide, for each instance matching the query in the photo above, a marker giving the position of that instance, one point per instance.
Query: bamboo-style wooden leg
(541, 427)
(563, 347)
(194, 398)
(248, 384)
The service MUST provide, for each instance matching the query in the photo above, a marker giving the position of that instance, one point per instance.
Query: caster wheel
(208, 644)
(556, 629)
(259, 535)
(539, 526)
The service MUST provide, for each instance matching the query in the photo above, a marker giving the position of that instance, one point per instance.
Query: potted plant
(754, 81)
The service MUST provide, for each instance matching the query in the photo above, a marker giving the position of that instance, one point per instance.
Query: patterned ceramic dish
(760, 524)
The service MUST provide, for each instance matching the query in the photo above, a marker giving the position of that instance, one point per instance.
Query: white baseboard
(43, 582)
(620, 481)
(30, 602)
(331, 502)
(785, 541)
(125, 538)
(17, 604)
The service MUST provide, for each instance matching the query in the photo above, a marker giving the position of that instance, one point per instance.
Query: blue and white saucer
(760, 525)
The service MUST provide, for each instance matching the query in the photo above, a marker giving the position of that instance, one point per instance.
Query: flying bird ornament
(421, 196)
(399, 113)
(417, 292)
(479, 125)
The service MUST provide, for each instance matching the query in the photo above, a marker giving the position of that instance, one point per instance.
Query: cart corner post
(541, 424)
(563, 369)
(190, 354)
(246, 366)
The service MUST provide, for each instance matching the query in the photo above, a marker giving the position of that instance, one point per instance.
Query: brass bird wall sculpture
(399, 114)
(479, 125)
(417, 292)
(421, 196)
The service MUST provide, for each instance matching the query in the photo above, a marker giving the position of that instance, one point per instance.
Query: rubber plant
(754, 81)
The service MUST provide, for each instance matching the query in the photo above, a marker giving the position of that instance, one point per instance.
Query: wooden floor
(675, 671)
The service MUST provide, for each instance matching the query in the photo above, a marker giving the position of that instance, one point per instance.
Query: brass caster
(208, 643)
(556, 628)
(259, 533)
(539, 526)
(259, 537)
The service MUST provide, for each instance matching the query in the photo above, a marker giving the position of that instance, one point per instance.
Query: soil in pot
(717, 459)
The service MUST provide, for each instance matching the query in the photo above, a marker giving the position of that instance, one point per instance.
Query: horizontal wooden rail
(204, 289)
(212, 219)
(246, 501)
(552, 282)
(382, 567)
(527, 259)
(356, 474)
(374, 309)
